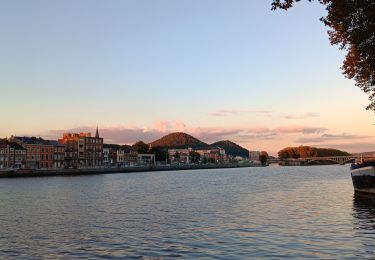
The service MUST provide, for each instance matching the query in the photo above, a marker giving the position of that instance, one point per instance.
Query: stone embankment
(90, 171)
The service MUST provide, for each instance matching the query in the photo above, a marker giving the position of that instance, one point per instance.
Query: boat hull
(363, 177)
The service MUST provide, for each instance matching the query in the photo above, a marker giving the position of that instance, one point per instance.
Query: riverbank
(90, 171)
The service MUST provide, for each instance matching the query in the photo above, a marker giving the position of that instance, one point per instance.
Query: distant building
(146, 159)
(126, 156)
(110, 154)
(254, 155)
(70, 142)
(179, 155)
(12, 155)
(211, 154)
(207, 154)
(83, 150)
(58, 154)
(39, 152)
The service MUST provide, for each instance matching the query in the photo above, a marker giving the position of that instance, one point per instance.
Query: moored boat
(363, 176)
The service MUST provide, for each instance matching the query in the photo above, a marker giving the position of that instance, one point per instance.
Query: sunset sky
(216, 69)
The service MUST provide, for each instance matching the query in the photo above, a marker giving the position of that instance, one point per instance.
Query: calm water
(272, 212)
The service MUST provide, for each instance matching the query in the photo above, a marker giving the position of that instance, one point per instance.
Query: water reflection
(364, 211)
(364, 224)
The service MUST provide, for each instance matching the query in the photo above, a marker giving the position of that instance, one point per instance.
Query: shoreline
(93, 171)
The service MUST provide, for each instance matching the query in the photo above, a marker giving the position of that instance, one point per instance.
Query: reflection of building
(82, 149)
(39, 152)
(12, 155)
(126, 156)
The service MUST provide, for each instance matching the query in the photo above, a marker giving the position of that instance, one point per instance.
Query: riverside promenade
(10, 173)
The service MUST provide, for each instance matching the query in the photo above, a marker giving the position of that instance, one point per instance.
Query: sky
(215, 69)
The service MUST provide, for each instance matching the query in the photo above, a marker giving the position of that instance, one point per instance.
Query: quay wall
(90, 171)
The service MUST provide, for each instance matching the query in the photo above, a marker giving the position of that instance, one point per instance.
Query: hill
(178, 140)
(232, 149)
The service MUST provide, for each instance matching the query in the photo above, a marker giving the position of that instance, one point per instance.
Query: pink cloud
(300, 129)
(233, 112)
(303, 116)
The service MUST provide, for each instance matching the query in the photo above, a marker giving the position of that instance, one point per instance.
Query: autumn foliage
(308, 151)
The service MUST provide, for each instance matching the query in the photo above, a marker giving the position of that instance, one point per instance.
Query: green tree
(352, 27)
(141, 147)
(161, 154)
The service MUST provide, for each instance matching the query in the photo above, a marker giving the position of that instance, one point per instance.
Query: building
(12, 155)
(58, 154)
(110, 154)
(177, 156)
(127, 156)
(146, 159)
(70, 142)
(83, 150)
(39, 152)
(211, 154)
(254, 155)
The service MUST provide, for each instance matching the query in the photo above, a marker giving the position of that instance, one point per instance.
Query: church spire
(97, 132)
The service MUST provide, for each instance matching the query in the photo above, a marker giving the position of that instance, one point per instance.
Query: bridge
(308, 160)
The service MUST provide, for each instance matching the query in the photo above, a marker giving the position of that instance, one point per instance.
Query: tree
(194, 156)
(141, 147)
(161, 154)
(352, 28)
(263, 157)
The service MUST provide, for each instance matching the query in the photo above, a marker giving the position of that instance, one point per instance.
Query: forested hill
(178, 140)
(308, 151)
(232, 149)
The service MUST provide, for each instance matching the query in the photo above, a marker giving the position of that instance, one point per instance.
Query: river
(270, 212)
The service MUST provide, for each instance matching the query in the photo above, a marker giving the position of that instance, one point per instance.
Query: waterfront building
(179, 155)
(70, 142)
(110, 154)
(82, 150)
(58, 154)
(39, 152)
(106, 156)
(211, 154)
(12, 155)
(146, 159)
(126, 156)
(254, 155)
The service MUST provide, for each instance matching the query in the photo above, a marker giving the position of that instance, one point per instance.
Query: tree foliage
(194, 156)
(263, 157)
(352, 27)
(308, 151)
(141, 147)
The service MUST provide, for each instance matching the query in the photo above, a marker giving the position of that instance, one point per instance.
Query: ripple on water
(272, 212)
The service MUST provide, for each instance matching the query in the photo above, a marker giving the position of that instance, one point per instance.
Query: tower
(97, 132)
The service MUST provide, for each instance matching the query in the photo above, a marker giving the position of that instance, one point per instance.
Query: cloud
(119, 135)
(225, 112)
(304, 116)
(300, 129)
(352, 147)
(214, 134)
(330, 137)
(129, 135)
